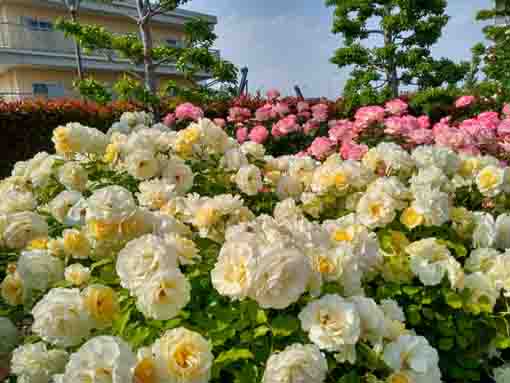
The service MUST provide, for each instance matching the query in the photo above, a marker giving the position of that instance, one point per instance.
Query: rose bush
(150, 255)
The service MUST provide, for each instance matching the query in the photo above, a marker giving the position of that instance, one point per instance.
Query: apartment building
(38, 61)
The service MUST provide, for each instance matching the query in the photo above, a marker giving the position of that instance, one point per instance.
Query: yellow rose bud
(102, 304)
(411, 218)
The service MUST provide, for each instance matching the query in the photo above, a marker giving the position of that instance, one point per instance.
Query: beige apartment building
(38, 61)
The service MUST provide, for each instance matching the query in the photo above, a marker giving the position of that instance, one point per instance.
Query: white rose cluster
(133, 225)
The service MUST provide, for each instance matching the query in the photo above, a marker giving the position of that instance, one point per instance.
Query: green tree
(388, 44)
(194, 56)
(494, 56)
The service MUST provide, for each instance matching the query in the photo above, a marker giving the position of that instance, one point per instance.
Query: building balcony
(41, 46)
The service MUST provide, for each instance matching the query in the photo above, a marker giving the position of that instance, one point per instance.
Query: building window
(38, 25)
(174, 43)
(48, 90)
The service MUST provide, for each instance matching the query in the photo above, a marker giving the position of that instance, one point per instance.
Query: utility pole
(74, 6)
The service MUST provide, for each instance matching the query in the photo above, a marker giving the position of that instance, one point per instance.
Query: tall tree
(194, 56)
(388, 43)
(494, 56)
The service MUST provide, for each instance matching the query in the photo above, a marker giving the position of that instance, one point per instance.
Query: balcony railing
(24, 38)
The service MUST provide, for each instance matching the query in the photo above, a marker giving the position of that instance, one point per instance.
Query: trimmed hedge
(26, 126)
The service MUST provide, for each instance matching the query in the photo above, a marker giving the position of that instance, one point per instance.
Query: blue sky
(288, 42)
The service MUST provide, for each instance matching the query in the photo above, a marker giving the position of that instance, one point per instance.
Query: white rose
(156, 193)
(414, 358)
(111, 204)
(502, 239)
(288, 187)
(431, 261)
(481, 286)
(232, 275)
(332, 322)
(142, 258)
(441, 157)
(484, 234)
(77, 274)
(102, 359)
(34, 363)
(8, 334)
(183, 356)
(73, 176)
(142, 164)
(164, 295)
(22, 228)
(60, 318)
(76, 138)
(432, 205)
(280, 277)
(12, 201)
(60, 206)
(187, 251)
(39, 270)
(371, 319)
(491, 180)
(233, 159)
(287, 209)
(502, 374)
(296, 364)
(392, 310)
(376, 209)
(255, 150)
(249, 180)
(178, 173)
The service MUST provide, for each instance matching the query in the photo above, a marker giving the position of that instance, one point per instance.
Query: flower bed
(154, 255)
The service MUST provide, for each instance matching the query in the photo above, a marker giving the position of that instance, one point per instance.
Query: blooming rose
(188, 111)
(183, 356)
(249, 180)
(259, 134)
(164, 295)
(39, 270)
(60, 318)
(332, 322)
(296, 363)
(73, 176)
(111, 204)
(280, 277)
(464, 101)
(412, 358)
(34, 363)
(22, 227)
(77, 274)
(396, 107)
(101, 359)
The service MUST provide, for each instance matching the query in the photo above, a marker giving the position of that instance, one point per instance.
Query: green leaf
(351, 377)
(234, 355)
(453, 300)
(446, 344)
(261, 331)
(284, 325)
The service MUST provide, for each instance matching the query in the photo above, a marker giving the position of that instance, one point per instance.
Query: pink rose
(369, 115)
(506, 110)
(310, 126)
(464, 101)
(220, 122)
(400, 125)
(169, 120)
(320, 112)
(471, 126)
(259, 134)
(237, 114)
(188, 111)
(264, 113)
(321, 147)
(421, 136)
(285, 126)
(343, 130)
(306, 114)
(272, 94)
(470, 149)
(489, 120)
(302, 106)
(242, 134)
(453, 138)
(424, 122)
(281, 109)
(352, 151)
(504, 128)
(396, 107)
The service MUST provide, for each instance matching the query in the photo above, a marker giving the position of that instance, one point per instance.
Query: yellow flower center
(343, 235)
(206, 216)
(102, 303)
(145, 371)
(111, 153)
(38, 244)
(103, 230)
(399, 377)
(184, 356)
(325, 266)
(411, 218)
(375, 209)
(340, 180)
(488, 179)
(76, 243)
